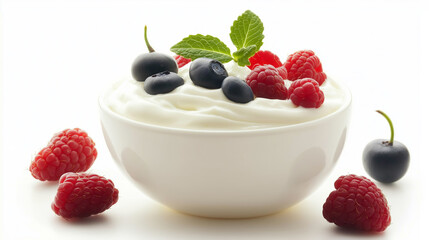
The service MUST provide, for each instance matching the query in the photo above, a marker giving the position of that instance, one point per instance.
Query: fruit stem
(392, 132)
(149, 47)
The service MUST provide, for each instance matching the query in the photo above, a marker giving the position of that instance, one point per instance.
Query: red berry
(266, 82)
(306, 93)
(181, 61)
(267, 58)
(282, 71)
(357, 203)
(83, 194)
(304, 64)
(264, 58)
(71, 150)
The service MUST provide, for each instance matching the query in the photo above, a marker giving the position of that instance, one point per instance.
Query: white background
(58, 55)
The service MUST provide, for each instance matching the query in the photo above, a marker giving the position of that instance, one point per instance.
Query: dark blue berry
(237, 90)
(386, 160)
(151, 63)
(207, 73)
(148, 64)
(163, 82)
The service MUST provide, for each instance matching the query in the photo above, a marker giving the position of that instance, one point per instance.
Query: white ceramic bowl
(227, 174)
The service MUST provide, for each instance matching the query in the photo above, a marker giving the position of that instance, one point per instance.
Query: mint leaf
(196, 46)
(247, 30)
(242, 56)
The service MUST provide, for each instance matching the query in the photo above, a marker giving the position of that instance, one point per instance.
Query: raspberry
(266, 82)
(304, 64)
(181, 61)
(357, 203)
(306, 93)
(71, 150)
(282, 71)
(267, 58)
(83, 194)
(264, 58)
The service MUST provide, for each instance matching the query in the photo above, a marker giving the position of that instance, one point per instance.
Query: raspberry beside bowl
(231, 173)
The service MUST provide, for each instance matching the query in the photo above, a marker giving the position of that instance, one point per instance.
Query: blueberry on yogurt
(163, 82)
(237, 90)
(150, 63)
(207, 73)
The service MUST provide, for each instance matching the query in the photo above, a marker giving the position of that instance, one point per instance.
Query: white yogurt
(193, 107)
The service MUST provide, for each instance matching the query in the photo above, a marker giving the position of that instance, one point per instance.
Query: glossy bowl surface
(227, 174)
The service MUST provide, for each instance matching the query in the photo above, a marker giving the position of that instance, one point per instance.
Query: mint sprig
(246, 34)
(242, 56)
(196, 46)
(247, 31)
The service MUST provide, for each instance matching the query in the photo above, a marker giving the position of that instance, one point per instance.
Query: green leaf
(242, 56)
(196, 46)
(247, 30)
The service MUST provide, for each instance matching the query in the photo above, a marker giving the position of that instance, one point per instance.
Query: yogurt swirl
(194, 107)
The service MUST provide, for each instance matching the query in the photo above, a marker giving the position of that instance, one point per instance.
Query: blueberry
(386, 160)
(147, 64)
(237, 90)
(163, 82)
(207, 73)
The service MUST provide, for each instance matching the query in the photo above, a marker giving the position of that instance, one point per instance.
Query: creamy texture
(193, 107)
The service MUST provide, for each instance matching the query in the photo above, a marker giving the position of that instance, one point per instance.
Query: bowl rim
(106, 110)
